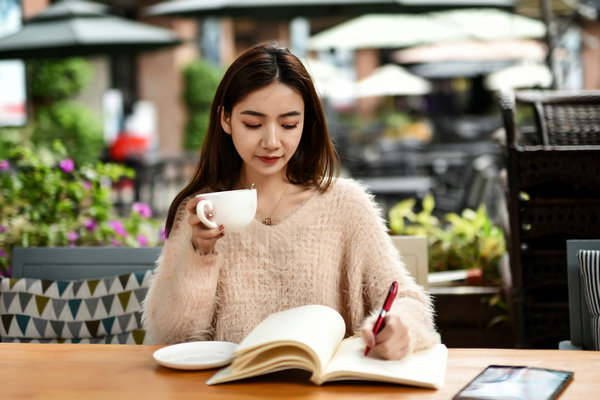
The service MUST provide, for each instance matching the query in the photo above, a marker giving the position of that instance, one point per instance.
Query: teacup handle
(202, 207)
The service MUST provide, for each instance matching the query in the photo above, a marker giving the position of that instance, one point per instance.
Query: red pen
(386, 307)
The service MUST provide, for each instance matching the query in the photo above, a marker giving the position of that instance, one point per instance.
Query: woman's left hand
(392, 342)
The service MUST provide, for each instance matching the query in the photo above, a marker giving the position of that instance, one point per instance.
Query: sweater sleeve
(376, 261)
(181, 301)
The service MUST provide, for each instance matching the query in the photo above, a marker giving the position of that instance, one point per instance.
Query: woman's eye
(251, 126)
(290, 126)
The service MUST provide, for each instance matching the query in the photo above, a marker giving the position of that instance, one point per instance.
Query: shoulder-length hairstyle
(315, 161)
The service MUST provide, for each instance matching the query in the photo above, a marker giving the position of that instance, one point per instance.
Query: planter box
(465, 318)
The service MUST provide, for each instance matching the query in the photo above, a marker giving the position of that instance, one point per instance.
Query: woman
(316, 239)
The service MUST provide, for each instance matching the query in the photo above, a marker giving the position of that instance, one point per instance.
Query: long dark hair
(315, 160)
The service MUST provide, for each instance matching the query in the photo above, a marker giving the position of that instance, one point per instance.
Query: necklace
(267, 220)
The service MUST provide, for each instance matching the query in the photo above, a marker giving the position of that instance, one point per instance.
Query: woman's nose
(271, 138)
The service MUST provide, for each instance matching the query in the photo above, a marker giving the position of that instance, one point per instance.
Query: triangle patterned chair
(76, 295)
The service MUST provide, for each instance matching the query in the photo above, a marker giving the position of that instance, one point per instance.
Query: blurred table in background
(391, 189)
(157, 181)
(458, 175)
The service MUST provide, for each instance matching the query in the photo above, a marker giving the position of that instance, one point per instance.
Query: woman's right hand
(203, 237)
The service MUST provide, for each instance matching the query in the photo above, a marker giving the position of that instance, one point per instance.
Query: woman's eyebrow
(290, 114)
(253, 113)
(259, 114)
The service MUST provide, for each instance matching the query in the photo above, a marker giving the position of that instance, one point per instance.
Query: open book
(310, 338)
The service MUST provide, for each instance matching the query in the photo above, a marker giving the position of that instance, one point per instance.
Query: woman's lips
(268, 159)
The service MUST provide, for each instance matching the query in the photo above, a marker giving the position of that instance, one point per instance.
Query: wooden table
(96, 371)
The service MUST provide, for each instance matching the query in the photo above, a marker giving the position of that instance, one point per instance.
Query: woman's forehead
(276, 98)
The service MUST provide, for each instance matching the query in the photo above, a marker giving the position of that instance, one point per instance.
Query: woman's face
(266, 128)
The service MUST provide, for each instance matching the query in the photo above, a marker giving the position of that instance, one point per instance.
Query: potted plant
(57, 115)
(466, 241)
(472, 312)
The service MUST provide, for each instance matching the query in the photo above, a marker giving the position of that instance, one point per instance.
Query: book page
(276, 359)
(426, 368)
(304, 337)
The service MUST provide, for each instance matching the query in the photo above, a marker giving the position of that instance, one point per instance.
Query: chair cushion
(589, 269)
(102, 310)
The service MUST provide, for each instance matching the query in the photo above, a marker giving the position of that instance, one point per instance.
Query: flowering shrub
(48, 200)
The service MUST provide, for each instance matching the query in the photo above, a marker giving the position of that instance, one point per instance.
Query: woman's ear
(225, 120)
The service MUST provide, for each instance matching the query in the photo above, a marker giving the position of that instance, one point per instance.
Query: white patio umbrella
(404, 30)
(392, 80)
(331, 82)
(473, 50)
(326, 76)
(521, 76)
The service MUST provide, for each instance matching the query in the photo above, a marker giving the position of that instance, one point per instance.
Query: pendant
(267, 221)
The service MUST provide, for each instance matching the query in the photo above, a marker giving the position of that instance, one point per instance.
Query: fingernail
(221, 227)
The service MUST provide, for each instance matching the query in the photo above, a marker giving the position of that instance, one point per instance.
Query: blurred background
(409, 88)
(408, 85)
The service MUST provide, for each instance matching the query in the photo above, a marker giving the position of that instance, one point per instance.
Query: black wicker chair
(552, 156)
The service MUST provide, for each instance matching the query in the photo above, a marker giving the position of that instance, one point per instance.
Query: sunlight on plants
(457, 241)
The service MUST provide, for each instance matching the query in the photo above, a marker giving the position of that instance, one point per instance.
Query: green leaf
(428, 204)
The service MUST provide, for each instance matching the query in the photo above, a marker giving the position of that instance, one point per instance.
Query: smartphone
(506, 382)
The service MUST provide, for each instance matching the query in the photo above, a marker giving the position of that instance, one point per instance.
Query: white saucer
(195, 355)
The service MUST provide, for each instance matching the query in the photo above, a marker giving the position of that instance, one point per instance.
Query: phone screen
(515, 382)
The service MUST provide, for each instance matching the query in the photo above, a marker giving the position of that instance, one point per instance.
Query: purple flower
(86, 185)
(118, 227)
(142, 240)
(4, 165)
(2, 229)
(67, 165)
(2, 253)
(115, 242)
(91, 225)
(163, 234)
(143, 209)
(72, 236)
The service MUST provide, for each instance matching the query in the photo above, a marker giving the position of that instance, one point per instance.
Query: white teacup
(234, 209)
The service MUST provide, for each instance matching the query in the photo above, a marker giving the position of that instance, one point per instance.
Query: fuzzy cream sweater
(333, 250)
